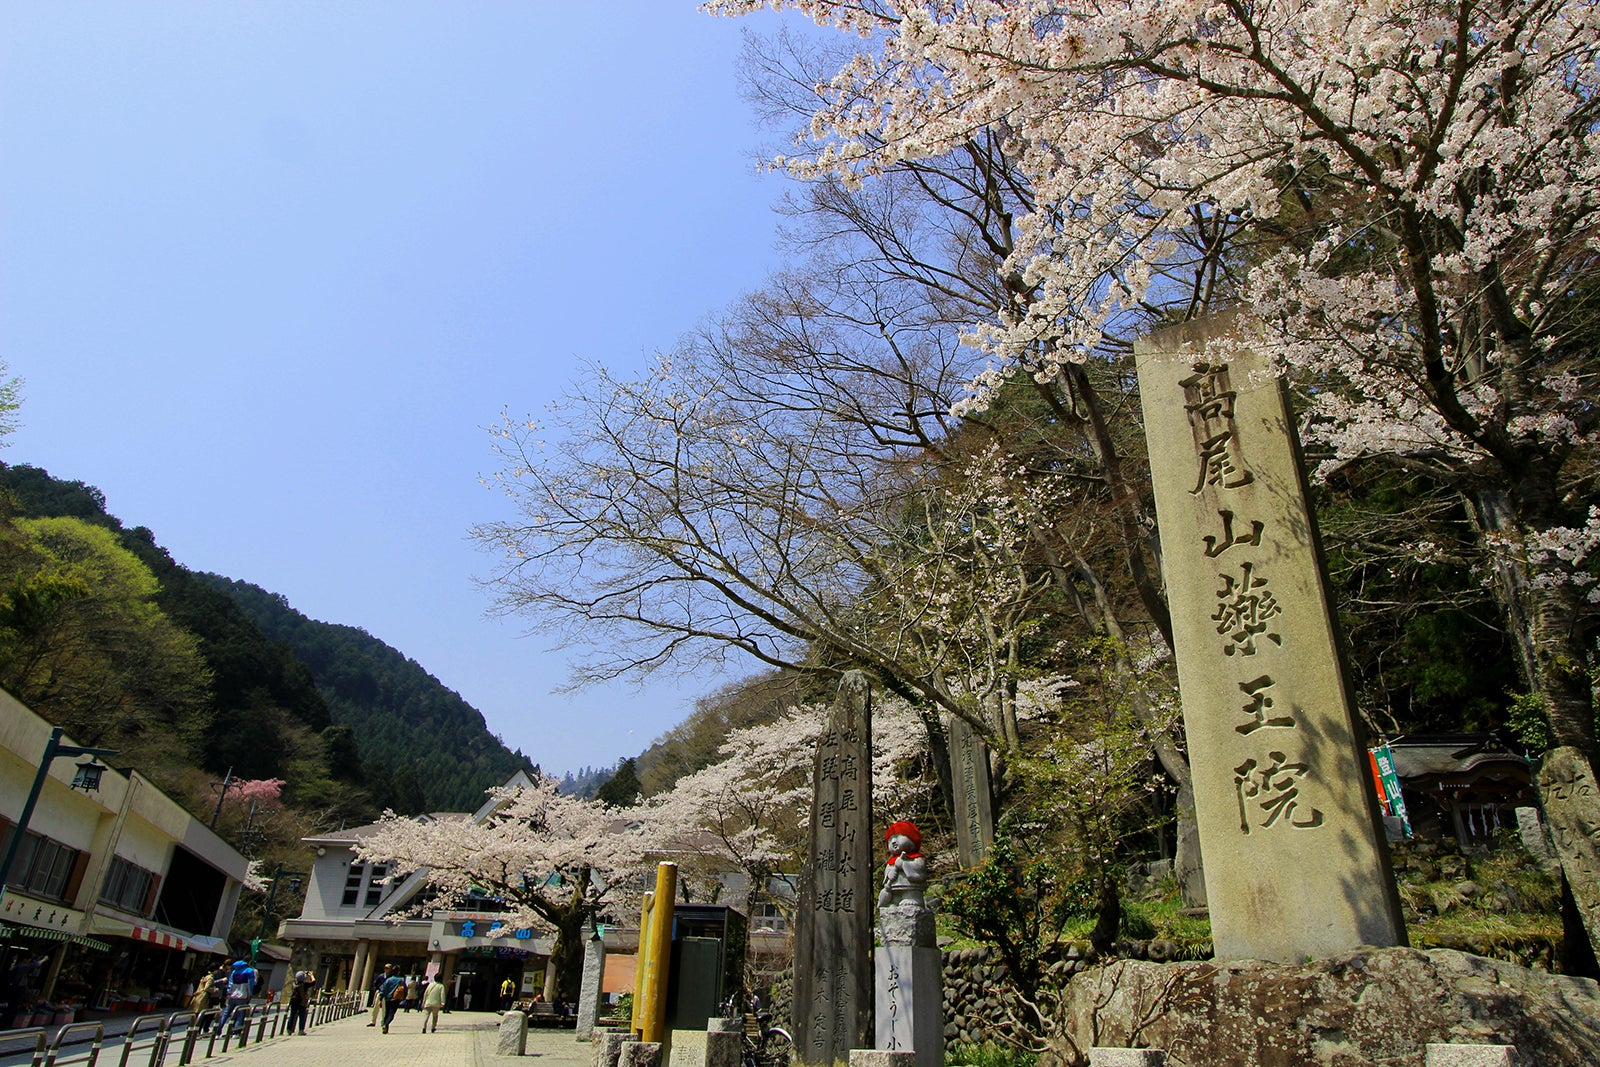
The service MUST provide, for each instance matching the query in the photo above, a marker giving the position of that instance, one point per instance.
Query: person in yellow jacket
(508, 994)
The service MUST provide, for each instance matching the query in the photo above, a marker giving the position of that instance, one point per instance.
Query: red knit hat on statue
(905, 829)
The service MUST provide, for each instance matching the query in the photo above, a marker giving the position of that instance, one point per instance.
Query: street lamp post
(87, 779)
(266, 909)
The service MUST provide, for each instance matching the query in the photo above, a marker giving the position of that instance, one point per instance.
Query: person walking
(508, 992)
(300, 1000)
(432, 1005)
(391, 993)
(241, 987)
(413, 1001)
(377, 995)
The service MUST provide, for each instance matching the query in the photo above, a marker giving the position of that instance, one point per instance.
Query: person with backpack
(241, 987)
(391, 993)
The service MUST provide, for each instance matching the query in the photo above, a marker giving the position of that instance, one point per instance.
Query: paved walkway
(465, 1039)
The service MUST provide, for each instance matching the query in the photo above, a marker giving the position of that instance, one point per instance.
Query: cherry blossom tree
(1405, 196)
(554, 860)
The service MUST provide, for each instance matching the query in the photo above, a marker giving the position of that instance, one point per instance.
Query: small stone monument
(594, 968)
(833, 922)
(1295, 860)
(908, 965)
(513, 1034)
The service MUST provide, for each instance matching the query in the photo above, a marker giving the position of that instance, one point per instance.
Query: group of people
(392, 991)
(229, 989)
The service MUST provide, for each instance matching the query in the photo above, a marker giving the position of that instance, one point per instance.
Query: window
(352, 885)
(375, 885)
(43, 867)
(127, 886)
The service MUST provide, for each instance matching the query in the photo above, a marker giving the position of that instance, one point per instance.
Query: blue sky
(269, 270)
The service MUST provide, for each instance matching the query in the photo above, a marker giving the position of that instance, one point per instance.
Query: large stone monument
(969, 765)
(1572, 804)
(833, 922)
(908, 965)
(1295, 861)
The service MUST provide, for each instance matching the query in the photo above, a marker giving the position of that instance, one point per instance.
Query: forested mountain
(429, 743)
(104, 633)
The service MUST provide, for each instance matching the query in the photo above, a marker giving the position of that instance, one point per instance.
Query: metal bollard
(94, 1046)
(41, 1038)
(133, 1031)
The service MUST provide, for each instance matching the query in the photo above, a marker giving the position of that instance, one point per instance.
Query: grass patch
(989, 1054)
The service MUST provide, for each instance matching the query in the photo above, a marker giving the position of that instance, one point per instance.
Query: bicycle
(765, 1045)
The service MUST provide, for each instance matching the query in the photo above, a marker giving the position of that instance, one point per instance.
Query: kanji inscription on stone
(1295, 861)
(833, 924)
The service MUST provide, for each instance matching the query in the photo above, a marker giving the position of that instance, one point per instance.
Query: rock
(1371, 1006)
(1470, 890)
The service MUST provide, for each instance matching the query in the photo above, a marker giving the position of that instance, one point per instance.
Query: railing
(201, 1035)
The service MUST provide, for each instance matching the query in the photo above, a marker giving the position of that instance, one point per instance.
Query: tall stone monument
(1295, 861)
(589, 989)
(969, 765)
(833, 923)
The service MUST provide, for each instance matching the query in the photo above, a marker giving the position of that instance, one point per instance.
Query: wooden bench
(543, 1013)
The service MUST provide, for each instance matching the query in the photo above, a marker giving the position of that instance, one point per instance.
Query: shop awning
(89, 942)
(146, 932)
(43, 933)
(208, 944)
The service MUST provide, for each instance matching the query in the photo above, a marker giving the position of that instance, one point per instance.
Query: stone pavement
(465, 1039)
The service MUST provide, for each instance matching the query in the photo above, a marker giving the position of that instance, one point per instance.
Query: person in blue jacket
(241, 987)
(391, 1003)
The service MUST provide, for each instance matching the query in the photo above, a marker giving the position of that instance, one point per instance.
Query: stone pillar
(833, 922)
(1127, 1057)
(724, 1048)
(608, 1046)
(594, 969)
(370, 966)
(640, 1054)
(910, 995)
(969, 767)
(1296, 864)
(359, 966)
(513, 1034)
(1467, 1056)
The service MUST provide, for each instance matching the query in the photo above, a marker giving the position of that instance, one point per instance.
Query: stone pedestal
(1127, 1057)
(594, 967)
(640, 1054)
(513, 1034)
(1467, 1056)
(731, 1025)
(871, 1057)
(909, 1008)
(608, 1046)
(687, 1049)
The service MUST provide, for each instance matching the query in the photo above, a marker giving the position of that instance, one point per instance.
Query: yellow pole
(641, 954)
(653, 1023)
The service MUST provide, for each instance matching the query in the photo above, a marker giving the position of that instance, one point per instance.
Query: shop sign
(1388, 782)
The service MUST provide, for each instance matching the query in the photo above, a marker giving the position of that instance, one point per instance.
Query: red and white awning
(149, 933)
(157, 936)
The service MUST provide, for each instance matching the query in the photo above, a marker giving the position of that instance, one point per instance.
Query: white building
(357, 918)
(117, 897)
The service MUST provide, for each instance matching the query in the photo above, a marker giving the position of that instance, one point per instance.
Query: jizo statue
(906, 873)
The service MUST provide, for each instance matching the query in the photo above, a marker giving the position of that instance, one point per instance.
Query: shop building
(359, 916)
(117, 897)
